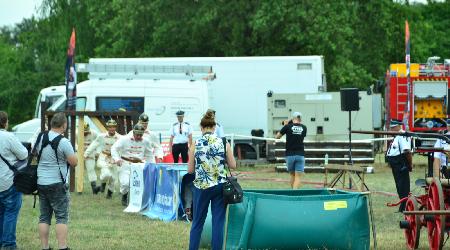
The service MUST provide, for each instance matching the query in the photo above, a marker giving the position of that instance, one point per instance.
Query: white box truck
(238, 93)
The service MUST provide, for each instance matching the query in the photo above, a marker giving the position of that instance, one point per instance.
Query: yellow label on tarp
(334, 205)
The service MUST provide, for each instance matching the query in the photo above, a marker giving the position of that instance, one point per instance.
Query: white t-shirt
(50, 169)
(12, 150)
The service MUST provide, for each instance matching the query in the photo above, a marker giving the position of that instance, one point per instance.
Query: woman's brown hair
(208, 120)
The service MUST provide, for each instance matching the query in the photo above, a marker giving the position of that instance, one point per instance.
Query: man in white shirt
(127, 150)
(219, 128)
(89, 159)
(157, 151)
(12, 151)
(400, 159)
(108, 168)
(180, 138)
(440, 162)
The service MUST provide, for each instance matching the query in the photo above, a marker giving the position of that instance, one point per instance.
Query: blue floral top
(209, 161)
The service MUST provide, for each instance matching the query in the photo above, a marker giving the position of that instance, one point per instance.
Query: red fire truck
(428, 95)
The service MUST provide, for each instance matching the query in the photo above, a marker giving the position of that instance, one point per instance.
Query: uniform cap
(143, 117)
(111, 123)
(179, 113)
(138, 129)
(86, 126)
(297, 115)
(395, 123)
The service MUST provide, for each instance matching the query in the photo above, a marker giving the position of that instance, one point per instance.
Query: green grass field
(97, 223)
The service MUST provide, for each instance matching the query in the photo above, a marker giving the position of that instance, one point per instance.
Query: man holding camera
(295, 150)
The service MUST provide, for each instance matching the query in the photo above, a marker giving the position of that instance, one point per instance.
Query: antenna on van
(146, 71)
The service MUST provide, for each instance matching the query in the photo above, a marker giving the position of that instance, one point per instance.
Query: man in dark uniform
(399, 158)
(180, 138)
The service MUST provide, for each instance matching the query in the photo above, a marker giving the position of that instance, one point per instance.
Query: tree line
(358, 38)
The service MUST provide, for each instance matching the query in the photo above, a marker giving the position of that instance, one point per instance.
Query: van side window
(110, 104)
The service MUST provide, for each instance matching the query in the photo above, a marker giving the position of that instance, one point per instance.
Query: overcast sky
(13, 11)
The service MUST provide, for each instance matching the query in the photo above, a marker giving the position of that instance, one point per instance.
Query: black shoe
(109, 194)
(102, 188)
(95, 189)
(125, 200)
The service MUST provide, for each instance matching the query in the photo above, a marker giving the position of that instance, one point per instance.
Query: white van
(158, 99)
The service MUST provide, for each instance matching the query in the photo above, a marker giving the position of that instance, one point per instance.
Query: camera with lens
(286, 122)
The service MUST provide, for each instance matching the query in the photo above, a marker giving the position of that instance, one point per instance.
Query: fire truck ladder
(402, 97)
(144, 71)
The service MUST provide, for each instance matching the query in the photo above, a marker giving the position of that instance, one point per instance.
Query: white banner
(136, 188)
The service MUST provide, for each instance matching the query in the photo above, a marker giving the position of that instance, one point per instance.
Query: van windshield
(49, 101)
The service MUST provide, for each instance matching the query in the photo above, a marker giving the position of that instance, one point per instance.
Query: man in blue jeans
(10, 200)
(295, 150)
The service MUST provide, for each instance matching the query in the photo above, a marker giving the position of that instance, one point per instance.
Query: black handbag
(25, 173)
(232, 191)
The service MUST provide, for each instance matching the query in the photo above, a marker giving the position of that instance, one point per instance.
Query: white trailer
(238, 93)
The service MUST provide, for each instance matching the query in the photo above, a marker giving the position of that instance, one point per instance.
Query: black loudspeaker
(349, 99)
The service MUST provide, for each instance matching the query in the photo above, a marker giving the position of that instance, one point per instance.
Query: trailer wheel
(412, 234)
(436, 227)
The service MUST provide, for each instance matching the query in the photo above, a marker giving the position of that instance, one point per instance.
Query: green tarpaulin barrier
(296, 219)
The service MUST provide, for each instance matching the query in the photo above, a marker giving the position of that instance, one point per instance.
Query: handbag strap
(224, 141)
(9, 164)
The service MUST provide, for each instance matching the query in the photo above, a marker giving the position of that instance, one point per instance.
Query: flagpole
(407, 112)
(71, 97)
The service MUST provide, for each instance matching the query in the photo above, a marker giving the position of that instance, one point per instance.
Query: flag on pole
(71, 75)
(408, 80)
(407, 49)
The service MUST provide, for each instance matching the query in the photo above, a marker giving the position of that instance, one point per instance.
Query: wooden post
(98, 124)
(72, 141)
(80, 154)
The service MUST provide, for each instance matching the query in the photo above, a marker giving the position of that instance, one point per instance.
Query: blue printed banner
(165, 180)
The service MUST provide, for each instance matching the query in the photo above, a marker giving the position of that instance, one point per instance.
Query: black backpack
(25, 175)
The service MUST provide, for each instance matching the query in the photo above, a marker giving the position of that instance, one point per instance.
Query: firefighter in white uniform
(440, 162)
(180, 138)
(108, 168)
(127, 150)
(152, 137)
(400, 160)
(219, 128)
(89, 159)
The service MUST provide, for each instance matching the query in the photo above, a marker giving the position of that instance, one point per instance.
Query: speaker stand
(350, 137)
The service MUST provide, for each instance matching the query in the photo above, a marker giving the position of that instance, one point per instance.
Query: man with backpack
(11, 150)
(55, 155)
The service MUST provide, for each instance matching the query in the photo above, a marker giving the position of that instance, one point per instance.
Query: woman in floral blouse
(207, 159)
